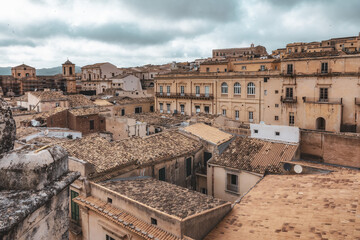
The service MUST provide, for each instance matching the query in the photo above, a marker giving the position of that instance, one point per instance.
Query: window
(113, 74)
(265, 92)
(277, 133)
(237, 88)
(236, 114)
(207, 69)
(289, 69)
(138, 110)
(123, 112)
(276, 91)
(109, 238)
(188, 166)
(206, 109)
(57, 104)
(225, 70)
(324, 67)
(70, 71)
(256, 131)
(207, 91)
(168, 108)
(162, 174)
(203, 190)
(182, 108)
(151, 108)
(320, 124)
(27, 74)
(161, 107)
(251, 88)
(262, 67)
(291, 119)
(243, 68)
(224, 88)
(92, 125)
(323, 95)
(19, 74)
(224, 112)
(276, 118)
(153, 221)
(289, 93)
(151, 76)
(197, 91)
(266, 79)
(197, 109)
(161, 90)
(74, 206)
(251, 116)
(232, 182)
(182, 90)
(168, 90)
(217, 70)
(276, 105)
(109, 200)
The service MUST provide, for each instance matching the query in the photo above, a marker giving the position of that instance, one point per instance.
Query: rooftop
(23, 66)
(94, 65)
(46, 96)
(208, 133)
(105, 155)
(84, 111)
(163, 196)
(79, 100)
(127, 100)
(319, 206)
(102, 102)
(255, 155)
(158, 119)
(126, 220)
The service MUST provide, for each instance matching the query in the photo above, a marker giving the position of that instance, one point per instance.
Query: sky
(45, 33)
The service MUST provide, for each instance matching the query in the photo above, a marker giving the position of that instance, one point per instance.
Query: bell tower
(68, 72)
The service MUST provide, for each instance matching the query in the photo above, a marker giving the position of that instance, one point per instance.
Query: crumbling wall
(7, 128)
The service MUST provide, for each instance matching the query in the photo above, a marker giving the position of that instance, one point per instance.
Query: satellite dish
(287, 166)
(298, 168)
(46, 132)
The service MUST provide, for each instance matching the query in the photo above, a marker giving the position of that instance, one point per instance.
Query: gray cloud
(16, 42)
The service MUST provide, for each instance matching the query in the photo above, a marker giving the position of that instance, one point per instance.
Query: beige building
(126, 82)
(96, 77)
(251, 51)
(68, 71)
(311, 90)
(46, 100)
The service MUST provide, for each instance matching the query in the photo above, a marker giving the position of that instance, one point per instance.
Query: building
(34, 188)
(43, 101)
(250, 52)
(68, 69)
(146, 208)
(310, 90)
(95, 78)
(311, 206)
(126, 82)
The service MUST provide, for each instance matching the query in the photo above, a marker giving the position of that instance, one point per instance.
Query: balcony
(288, 99)
(202, 96)
(322, 100)
(357, 101)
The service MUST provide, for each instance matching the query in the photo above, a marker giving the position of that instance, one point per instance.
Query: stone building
(250, 52)
(68, 71)
(33, 188)
(43, 101)
(311, 90)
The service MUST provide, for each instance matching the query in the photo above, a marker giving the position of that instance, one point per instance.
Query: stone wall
(333, 148)
(7, 128)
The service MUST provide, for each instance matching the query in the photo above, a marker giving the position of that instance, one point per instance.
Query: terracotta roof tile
(255, 155)
(46, 96)
(319, 206)
(79, 100)
(84, 111)
(208, 133)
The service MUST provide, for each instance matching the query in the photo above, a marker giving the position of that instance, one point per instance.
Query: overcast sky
(44, 33)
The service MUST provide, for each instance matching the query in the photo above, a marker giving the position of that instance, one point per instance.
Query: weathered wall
(50, 219)
(334, 148)
(7, 128)
(82, 123)
(59, 119)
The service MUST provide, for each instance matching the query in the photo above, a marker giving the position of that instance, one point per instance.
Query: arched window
(237, 88)
(320, 124)
(224, 88)
(251, 88)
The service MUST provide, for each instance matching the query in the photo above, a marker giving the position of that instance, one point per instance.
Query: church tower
(68, 71)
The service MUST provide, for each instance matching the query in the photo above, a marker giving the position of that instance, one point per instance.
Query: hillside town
(243, 144)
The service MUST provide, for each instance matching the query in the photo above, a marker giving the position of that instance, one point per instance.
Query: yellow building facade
(314, 90)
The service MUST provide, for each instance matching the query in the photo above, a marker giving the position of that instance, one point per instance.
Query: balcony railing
(322, 100)
(288, 99)
(185, 95)
(357, 101)
(231, 187)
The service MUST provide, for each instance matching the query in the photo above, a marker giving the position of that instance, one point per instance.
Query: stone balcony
(202, 96)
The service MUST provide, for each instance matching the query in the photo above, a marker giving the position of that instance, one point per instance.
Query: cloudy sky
(44, 33)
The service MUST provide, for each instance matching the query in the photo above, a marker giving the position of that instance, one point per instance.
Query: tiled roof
(48, 96)
(157, 119)
(255, 155)
(312, 54)
(124, 219)
(68, 62)
(126, 100)
(23, 66)
(208, 133)
(79, 100)
(314, 206)
(84, 111)
(165, 197)
(110, 156)
(94, 65)
(102, 102)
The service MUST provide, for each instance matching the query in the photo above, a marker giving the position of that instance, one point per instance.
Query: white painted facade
(127, 83)
(275, 132)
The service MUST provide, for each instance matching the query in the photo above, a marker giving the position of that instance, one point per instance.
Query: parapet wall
(333, 148)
